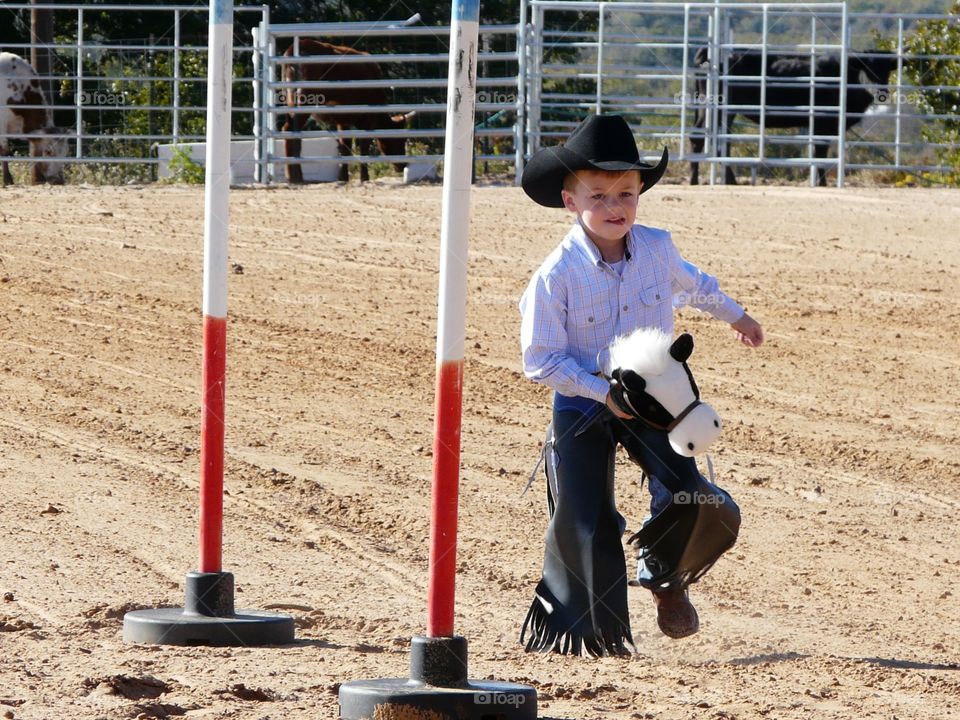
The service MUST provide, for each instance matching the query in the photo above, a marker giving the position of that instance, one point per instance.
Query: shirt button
(658, 297)
(626, 307)
(590, 319)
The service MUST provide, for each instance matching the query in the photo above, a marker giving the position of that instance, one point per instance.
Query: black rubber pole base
(207, 618)
(438, 688)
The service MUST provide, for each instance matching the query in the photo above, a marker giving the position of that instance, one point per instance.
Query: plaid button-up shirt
(576, 304)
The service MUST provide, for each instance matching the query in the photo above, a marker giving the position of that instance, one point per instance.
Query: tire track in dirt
(356, 557)
(123, 369)
(357, 554)
(933, 358)
(79, 270)
(62, 439)
(399, 576)
(100, 240)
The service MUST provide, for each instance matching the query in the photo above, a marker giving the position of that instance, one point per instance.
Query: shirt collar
(579, 238)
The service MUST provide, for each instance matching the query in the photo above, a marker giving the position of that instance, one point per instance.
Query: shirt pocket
(655, 291)
(589, 310)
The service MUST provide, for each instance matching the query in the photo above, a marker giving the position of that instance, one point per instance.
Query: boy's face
(605, 202)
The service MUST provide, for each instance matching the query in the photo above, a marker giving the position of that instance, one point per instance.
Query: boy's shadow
(881, 662)
(316, 642)
(908, 664)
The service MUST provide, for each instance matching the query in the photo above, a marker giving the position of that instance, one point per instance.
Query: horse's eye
(689, 446)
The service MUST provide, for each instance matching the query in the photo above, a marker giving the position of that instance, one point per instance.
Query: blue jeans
(586, 444)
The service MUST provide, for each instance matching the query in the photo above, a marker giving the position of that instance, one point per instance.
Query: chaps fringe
(548, 633)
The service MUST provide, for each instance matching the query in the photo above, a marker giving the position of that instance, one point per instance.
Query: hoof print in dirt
(128, 686)
(102, 615)
(242, 692)
(11, 624)
(146, 711)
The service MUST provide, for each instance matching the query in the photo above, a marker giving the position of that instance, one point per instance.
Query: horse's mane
(645, 351)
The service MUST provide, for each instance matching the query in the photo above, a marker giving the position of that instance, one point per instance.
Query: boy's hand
(748, 331)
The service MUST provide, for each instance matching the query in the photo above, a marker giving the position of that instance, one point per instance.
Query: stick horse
(581, 602)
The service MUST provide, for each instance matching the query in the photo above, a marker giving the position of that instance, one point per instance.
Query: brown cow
(338, 72)
(20, 89)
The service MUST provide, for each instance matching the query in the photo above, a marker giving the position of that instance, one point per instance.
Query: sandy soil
(841, 445)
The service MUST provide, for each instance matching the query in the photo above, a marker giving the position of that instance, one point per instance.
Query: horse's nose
(696, 432)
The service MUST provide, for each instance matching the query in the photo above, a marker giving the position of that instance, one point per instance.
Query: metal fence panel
(117, 99)
(409, 80)
(639, 59)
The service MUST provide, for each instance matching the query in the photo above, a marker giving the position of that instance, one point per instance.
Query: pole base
(400, 698)
(208, 618)
(438, 688)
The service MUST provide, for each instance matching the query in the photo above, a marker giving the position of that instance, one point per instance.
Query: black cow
(783, 93)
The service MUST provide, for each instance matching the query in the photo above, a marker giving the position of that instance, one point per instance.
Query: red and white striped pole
(454, 233)
(438, 684)
(208, 616)
(215, 244)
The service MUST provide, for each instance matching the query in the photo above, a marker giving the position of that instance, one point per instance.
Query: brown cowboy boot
(676, 615)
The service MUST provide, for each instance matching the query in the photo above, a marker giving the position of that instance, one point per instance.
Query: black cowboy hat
(601, 142)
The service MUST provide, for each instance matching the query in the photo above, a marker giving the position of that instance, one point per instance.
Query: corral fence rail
(118, 99)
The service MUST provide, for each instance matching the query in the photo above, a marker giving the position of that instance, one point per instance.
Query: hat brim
(542, 178)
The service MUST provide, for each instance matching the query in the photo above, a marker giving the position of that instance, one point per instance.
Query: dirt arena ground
(841, 445)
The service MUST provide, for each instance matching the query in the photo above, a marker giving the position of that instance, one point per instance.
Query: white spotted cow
(24, 111)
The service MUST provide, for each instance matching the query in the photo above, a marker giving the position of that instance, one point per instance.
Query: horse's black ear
(682, 348)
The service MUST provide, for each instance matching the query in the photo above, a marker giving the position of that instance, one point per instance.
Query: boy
(606, 278)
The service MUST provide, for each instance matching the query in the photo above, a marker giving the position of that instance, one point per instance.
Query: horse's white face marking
(697, 431)
(671, 388)
(48, 146)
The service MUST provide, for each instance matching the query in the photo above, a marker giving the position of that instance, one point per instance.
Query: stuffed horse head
(650, 380)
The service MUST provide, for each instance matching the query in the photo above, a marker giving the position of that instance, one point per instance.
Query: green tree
(938, 80)
(432, 12)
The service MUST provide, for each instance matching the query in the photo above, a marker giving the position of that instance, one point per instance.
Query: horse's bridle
(652, 402)
(676, 420)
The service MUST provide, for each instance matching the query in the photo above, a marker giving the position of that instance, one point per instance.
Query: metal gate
(639, 59)
(413, 77)
(117, 99)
